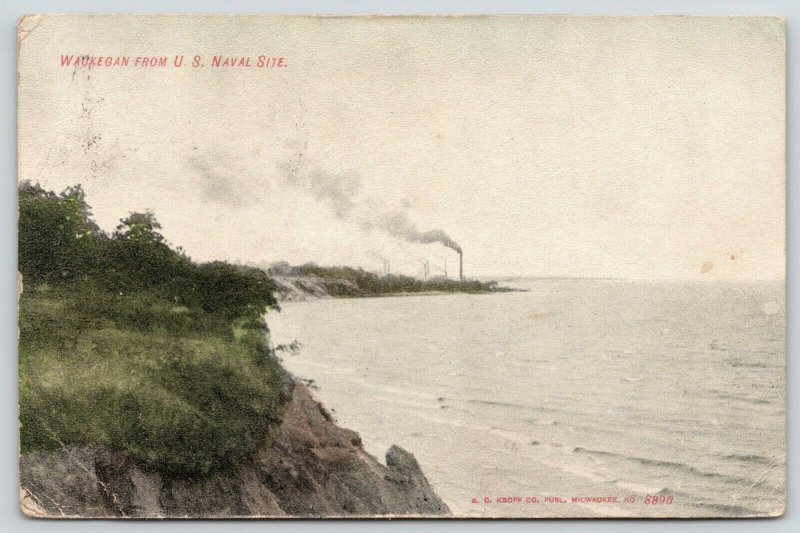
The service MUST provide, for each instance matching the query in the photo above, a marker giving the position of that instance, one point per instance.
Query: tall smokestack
(461, 265)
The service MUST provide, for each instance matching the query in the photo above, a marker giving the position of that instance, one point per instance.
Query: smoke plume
(342, 195)
(398, 224)
(338, 190)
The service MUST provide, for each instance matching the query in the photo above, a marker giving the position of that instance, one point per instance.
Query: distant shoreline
(311, 281)
(406, 295)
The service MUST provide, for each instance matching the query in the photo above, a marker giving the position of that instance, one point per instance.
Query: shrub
(127, 343)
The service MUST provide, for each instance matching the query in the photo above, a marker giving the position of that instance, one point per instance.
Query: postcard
(401, 266)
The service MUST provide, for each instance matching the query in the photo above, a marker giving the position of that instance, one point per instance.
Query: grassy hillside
(127, 343)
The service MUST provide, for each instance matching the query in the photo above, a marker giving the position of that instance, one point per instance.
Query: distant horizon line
(614, 278)
(529, 277)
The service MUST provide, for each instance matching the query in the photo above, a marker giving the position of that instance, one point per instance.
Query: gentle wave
(667, 464)
(751, 458)
(734, 397)
(641, 369)
(727, 509)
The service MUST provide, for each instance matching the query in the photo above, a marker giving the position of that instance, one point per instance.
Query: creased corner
(29, 506)
(777, 28)
(27, 23)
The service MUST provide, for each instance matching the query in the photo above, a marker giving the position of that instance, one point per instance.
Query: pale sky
(546, 146)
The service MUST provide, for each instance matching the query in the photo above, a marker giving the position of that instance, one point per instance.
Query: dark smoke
(398, 224)
(340, 192)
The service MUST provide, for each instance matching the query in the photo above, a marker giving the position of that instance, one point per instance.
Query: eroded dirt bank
(307, 467)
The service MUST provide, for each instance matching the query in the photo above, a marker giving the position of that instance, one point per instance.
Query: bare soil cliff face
(297, 288)
(308, 467)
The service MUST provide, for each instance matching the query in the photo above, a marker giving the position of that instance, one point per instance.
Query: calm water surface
(577, 388)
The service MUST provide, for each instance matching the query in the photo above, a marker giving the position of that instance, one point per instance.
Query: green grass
(127, 343)
(183, 391)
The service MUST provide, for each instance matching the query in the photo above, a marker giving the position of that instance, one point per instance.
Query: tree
(75, 197)
(140, 227)
(56, 233)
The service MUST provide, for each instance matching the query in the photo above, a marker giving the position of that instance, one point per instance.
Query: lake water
(575, 389)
